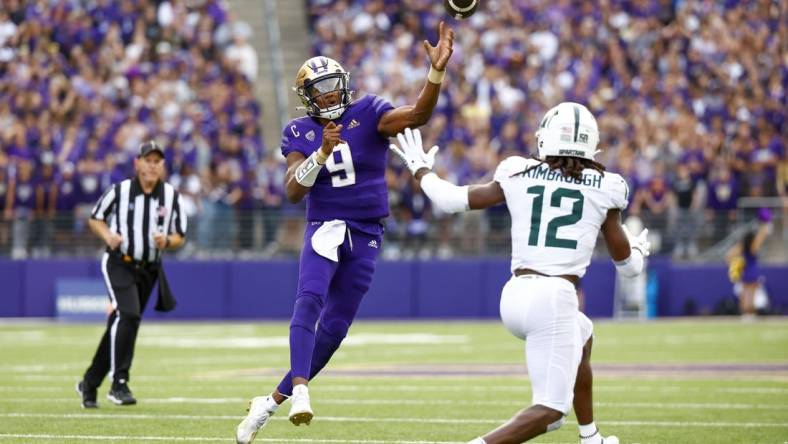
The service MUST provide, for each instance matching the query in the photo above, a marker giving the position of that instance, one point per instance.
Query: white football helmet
(319, 76)
(568, 129)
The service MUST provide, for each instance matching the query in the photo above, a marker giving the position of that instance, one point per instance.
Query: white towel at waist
(328, 238)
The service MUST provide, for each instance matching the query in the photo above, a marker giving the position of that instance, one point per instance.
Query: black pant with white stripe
(129, 285)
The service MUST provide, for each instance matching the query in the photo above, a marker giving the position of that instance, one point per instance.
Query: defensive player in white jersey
(559, 202)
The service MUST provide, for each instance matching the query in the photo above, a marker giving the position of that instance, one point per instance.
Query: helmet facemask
(326, 96)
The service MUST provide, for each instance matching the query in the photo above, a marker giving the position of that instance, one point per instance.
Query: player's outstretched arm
(446, 196)
(626, 250)
(412, 116)
(486, 195)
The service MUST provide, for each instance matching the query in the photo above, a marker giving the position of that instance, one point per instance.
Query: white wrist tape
(446, 196)
(306, 173)
(435, 76)
(631, 266)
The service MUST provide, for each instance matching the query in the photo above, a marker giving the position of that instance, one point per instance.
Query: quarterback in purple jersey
(336, 157)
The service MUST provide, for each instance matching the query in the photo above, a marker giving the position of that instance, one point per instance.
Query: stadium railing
(225, 232)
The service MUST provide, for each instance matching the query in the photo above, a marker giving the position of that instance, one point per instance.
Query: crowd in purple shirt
(689, 96)
(82, 84)
(693, 83)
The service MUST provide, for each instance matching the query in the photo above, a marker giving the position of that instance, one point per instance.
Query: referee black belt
(527, 271)
(129, 260)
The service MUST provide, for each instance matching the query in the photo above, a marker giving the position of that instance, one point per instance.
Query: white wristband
(306, 173)
(436, 76)
(631, 266)
(446, 196)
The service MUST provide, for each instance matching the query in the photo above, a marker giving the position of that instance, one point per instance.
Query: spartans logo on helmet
(323, 87)
(568, 129)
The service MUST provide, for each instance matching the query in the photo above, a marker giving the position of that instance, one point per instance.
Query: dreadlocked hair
(570, 166)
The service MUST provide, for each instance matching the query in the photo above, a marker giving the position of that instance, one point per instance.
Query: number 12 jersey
(556, 219)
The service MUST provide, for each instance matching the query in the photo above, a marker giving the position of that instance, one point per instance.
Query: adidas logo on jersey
(353, 123)
(373, 243)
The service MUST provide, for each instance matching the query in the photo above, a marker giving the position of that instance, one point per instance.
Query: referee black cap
(149, 147)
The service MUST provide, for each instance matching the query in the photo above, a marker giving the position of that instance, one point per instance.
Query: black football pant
(129, 286)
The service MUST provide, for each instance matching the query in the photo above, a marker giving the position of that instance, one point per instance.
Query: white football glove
(411, 151)
(639, 242)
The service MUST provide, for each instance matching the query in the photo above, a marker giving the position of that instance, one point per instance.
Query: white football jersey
(556, 219)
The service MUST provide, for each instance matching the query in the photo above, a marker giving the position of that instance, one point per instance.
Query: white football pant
(544, 311)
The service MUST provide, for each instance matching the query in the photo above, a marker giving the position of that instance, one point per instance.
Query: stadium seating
(688, 114)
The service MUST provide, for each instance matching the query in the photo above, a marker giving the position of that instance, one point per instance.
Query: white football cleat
(300, 410)
(597, 438)
(261, 408)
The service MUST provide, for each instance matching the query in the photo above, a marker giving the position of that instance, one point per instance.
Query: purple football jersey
(352, 185)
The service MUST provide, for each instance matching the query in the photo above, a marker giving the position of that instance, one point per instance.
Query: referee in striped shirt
(137, 218)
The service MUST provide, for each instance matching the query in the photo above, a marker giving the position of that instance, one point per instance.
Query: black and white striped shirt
(128, 211)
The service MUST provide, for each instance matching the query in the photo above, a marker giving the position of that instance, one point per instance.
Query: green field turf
(684, 381)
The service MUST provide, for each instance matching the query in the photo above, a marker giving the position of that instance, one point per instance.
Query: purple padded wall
(403, 289)
(199, 287)
(38, 281)
(599, 284)
(447, 289)
(261, 289)
(392, 293)
(12, 293)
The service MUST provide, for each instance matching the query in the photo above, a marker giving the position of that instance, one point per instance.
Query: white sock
(271, 405)
(588, 430)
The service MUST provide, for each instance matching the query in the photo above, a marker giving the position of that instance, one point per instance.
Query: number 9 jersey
(352, 186)
(556, 219)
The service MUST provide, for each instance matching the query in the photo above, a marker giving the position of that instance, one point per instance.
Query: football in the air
(460, 9)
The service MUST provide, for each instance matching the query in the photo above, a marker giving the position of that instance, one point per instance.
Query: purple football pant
(329, 294)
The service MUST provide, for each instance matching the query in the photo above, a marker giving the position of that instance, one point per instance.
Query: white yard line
(333, 386)
(74, 377)
(426, 402)
(115, 417)
(107, 438)
(258, 342)
(205, 439)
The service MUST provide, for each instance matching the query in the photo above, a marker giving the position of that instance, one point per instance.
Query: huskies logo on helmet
(321, 68)
(318, 79)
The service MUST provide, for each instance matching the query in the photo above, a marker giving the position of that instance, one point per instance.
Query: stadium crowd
(690, 99)
(82, 84)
